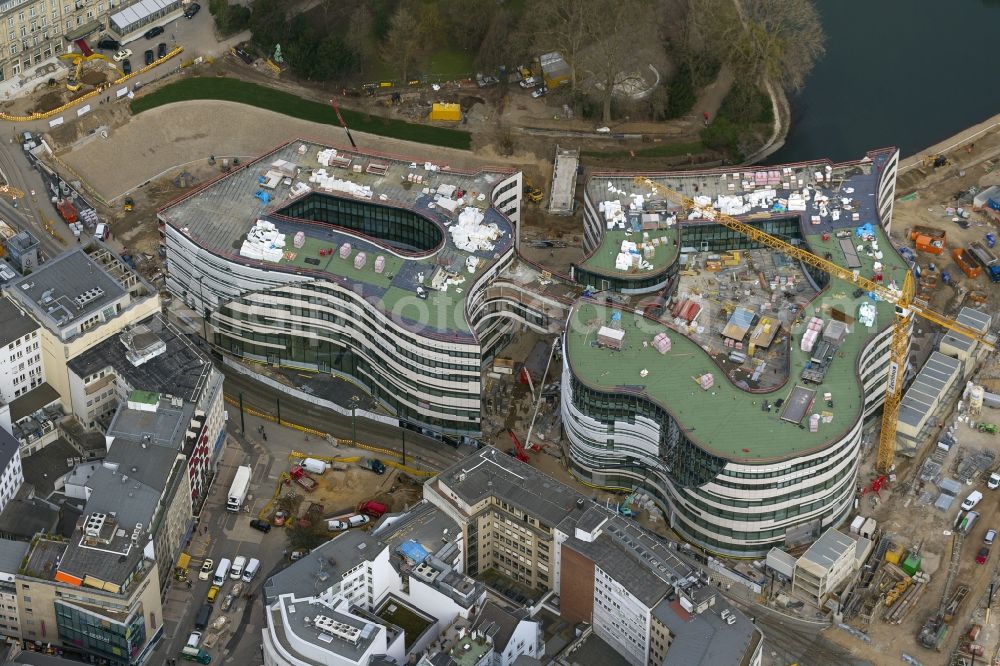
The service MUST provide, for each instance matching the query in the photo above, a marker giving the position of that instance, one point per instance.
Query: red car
(982, 555)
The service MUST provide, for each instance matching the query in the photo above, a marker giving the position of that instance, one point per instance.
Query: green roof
(603, 258)
(145, 397)
(726, 420)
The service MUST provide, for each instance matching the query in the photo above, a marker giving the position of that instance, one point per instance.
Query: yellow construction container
(446, 112)
(895, 555)
(731, 258)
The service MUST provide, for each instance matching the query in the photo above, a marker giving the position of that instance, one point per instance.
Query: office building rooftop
(393, 228)
(311, 621)
(153, 356)
(69, 288)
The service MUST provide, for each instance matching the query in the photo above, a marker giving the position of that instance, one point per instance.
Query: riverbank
(976, 147)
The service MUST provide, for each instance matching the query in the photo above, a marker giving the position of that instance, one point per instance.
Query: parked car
(539, 92)
(161, 50)
(149, 57)
(994, 481)
(122, 55)
(108, 44)
(336, 525)
(153, 32)
(529, 82)
(191, 10)
(991, 536)
(213, 592)
(207, 567)
(298, 554)
(982, 555)
(261, 525)
(227, 603)
(127, 66)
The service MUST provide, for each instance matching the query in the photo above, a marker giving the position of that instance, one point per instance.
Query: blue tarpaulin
(413, 551)
(865, 231)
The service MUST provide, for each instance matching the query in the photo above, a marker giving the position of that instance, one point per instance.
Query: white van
(357, 520)
(101, 233)
(253, 566)
(194, 639)
(221, 572)
(972, 500)
(237, 569)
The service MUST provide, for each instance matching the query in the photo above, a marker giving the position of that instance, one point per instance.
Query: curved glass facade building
(738, 469)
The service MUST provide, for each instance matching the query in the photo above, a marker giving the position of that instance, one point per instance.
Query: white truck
(238, 491)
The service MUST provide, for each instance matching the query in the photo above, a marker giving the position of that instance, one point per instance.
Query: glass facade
(119, 642)
(398, 227)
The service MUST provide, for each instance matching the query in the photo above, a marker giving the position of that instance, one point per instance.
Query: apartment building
(11, 473)
(33, 31)
(155, 357)
(11, 555)
(81, 297)
(144, 479)
(20, 352)
(606, 570)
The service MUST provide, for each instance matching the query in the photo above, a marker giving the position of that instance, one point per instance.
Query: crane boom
(901, 297)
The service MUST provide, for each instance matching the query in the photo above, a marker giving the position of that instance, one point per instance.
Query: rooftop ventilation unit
(338, 629)
(88, 296)
(95, 521)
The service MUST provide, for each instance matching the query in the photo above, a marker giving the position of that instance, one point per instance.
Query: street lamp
(354, 419)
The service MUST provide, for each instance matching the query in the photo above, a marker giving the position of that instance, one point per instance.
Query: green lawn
(662, 150)
(234, 90)
(449, 64)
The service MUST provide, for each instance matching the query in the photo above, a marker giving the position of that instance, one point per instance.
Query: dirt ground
(339, 492)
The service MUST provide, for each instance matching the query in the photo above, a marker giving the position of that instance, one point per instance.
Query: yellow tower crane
(902, 298)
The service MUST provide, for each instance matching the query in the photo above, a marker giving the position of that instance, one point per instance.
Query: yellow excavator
(73, 80)
(901, 298)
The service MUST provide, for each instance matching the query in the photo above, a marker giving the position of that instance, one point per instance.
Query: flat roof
(16, 324)
(27, 404)
(974, 319)
(65, 289)
(490, 472)
(219, 215)
(749, 432)
(152, 355)
(563, 190)
(830, 547)
(12, 554)
(164, 427)
(299, 618)
(920, 399)
(705, 638)
(43, 467)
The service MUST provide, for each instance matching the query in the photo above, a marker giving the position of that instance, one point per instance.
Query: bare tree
(361, 35)
(623, 43)
(702, 42)
(564, 26)
(403, 43)
(778, 39)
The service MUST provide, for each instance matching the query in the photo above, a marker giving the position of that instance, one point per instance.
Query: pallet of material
(377, 168)
(340, 161)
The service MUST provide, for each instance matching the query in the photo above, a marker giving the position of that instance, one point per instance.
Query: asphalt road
(31, 211)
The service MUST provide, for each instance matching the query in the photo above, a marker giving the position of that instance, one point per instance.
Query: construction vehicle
(67, 211)
(928, 239)
(518, 450)
(374, 464)
(937, 160)
(533, 193)
(300, 477)
(964, 260)
(78, 59)
(902, 298)
(986, 259)
(129, 204)
(372, 508)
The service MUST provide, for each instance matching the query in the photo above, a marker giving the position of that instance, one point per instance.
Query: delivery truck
(238, 490)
